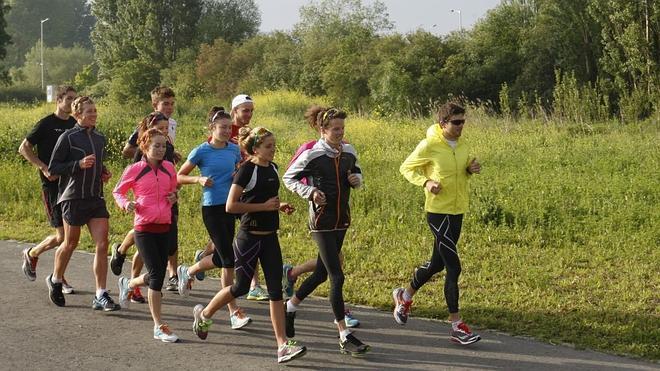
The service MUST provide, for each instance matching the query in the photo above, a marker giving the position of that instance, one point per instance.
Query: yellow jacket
(434, 159)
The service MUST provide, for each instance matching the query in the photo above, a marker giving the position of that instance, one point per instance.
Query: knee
(453, 273)
(155, 280)
(240, 289)
(337, 279)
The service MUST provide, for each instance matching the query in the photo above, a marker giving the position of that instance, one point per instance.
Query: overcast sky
(408, 15)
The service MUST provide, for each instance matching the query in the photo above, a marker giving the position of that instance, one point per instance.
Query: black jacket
(326, 169)
(76, 183)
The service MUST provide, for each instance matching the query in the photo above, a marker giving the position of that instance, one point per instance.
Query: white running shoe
(66, 288)
(239, 320)
(164, 334)
(184, 280)
(124, 290)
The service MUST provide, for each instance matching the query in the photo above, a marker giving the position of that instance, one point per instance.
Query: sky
(407, 15)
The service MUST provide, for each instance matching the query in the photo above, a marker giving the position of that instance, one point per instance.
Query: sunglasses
(457, 122)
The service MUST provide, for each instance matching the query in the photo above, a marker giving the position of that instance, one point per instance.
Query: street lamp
(42, 52)
(460, 18)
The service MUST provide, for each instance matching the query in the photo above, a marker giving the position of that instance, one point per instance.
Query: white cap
(240, 99)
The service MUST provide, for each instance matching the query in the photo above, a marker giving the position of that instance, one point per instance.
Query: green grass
(561, 242)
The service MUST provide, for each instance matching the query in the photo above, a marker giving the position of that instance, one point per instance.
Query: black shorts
(78, 212)
(173, 234)
(221, 227)
(53, 209)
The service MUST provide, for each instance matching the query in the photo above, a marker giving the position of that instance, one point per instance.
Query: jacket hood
(434, 133)
(331, 152)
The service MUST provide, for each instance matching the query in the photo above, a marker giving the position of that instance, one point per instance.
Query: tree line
(577, 59)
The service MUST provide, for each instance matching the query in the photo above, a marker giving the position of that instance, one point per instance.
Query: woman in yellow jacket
(442, 164)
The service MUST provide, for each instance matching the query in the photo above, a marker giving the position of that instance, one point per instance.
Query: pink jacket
(150, 188)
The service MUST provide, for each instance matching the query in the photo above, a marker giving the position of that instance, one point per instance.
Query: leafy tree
(5, 40)
(278, 63)
(70, 23)
(232, 20)
(60, 65)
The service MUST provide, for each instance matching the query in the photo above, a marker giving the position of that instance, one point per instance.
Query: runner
(217, 159)
(442, 164)
(290, 273)
(153, 182)
(44, 135)
(242, 109)
(163, 101)
(331, 169)
(159, 121)
(78, 160)
(254, 194)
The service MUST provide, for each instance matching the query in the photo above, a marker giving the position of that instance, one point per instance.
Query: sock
(454, 324)
(406, 295)
(290, 307)
(54, 279)
(100, 292)
(344, 334)
(31, 253)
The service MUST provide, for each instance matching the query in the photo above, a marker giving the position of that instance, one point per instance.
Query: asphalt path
(37, 335)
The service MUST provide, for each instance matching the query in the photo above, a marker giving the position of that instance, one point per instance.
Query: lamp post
(460, 18)
(42, 52)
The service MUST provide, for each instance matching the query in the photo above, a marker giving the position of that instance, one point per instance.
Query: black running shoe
(289, 320)
(117, 260)
(105, 303)
(55, 291)
(353, 346)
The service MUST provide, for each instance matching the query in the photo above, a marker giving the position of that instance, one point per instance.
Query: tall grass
(561, 241)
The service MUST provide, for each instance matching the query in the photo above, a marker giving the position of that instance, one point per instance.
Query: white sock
(406, 295)
(54, 279)
(343, 334)
(290, 307)
(100, 292)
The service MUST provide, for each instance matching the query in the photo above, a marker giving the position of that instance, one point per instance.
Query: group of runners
(239, 181)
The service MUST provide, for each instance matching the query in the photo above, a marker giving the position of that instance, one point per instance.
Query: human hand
(318, 197)
(287, 208)
(130, 207)
(474, 167)
(433, 186)
(172, 197)
(353, 179)
(205, 181)
(87, 161)
(48, 175)
(106, 175)
(273, 204)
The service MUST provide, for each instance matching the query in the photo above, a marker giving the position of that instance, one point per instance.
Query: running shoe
(353, 346)
(55, 291)
(117, 260)
(287, 283)
(462, 335)
(351, 321)
(199, 255)
(258, 294)
(29, 264)
(66, 288)
(184, 283)
(105, 303)
(289, 318)
(200, 326)
(172, 284)
(289, 351)
(401, 307)
(239, 320)
(124, 292)
(136, 296)
(164, 334)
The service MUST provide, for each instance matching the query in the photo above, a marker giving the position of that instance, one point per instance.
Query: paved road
(36, 335)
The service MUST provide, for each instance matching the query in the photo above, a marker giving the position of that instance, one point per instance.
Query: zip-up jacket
(327, 170)
(434, 159)
(150, 188)
(71, 147)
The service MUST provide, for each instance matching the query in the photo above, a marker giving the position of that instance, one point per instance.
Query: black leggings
(221, 227)
(327, 263)
(248, 248)
(446, 229)
(153, 251)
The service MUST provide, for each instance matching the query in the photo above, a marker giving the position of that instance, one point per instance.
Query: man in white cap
(242, 108)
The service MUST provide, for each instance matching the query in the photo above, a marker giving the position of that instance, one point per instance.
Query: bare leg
(222, 298)
(155, 305)
(201, 266)
(277, 319)
(136, 264)
(48, 243)
(64, 252)
(98, 228)
(129, 240)
(172, 263)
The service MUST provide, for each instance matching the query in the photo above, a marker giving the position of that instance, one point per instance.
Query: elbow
(231, 208)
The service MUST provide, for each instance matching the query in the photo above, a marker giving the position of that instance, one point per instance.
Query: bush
(21, 93)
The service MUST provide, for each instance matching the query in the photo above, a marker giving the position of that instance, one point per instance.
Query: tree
(5, 40)
(70, 23)
(60, 65)
(232, 20)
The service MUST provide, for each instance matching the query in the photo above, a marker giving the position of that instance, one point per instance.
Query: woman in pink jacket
(153, 182)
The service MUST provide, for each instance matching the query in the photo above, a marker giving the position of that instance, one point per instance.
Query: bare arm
(26, 149)
(183, 177)
(129, 151)
(234, 206)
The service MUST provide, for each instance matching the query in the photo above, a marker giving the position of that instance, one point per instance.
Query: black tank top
(259, 183)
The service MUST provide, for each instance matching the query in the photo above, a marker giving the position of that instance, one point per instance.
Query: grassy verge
(561, 242)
